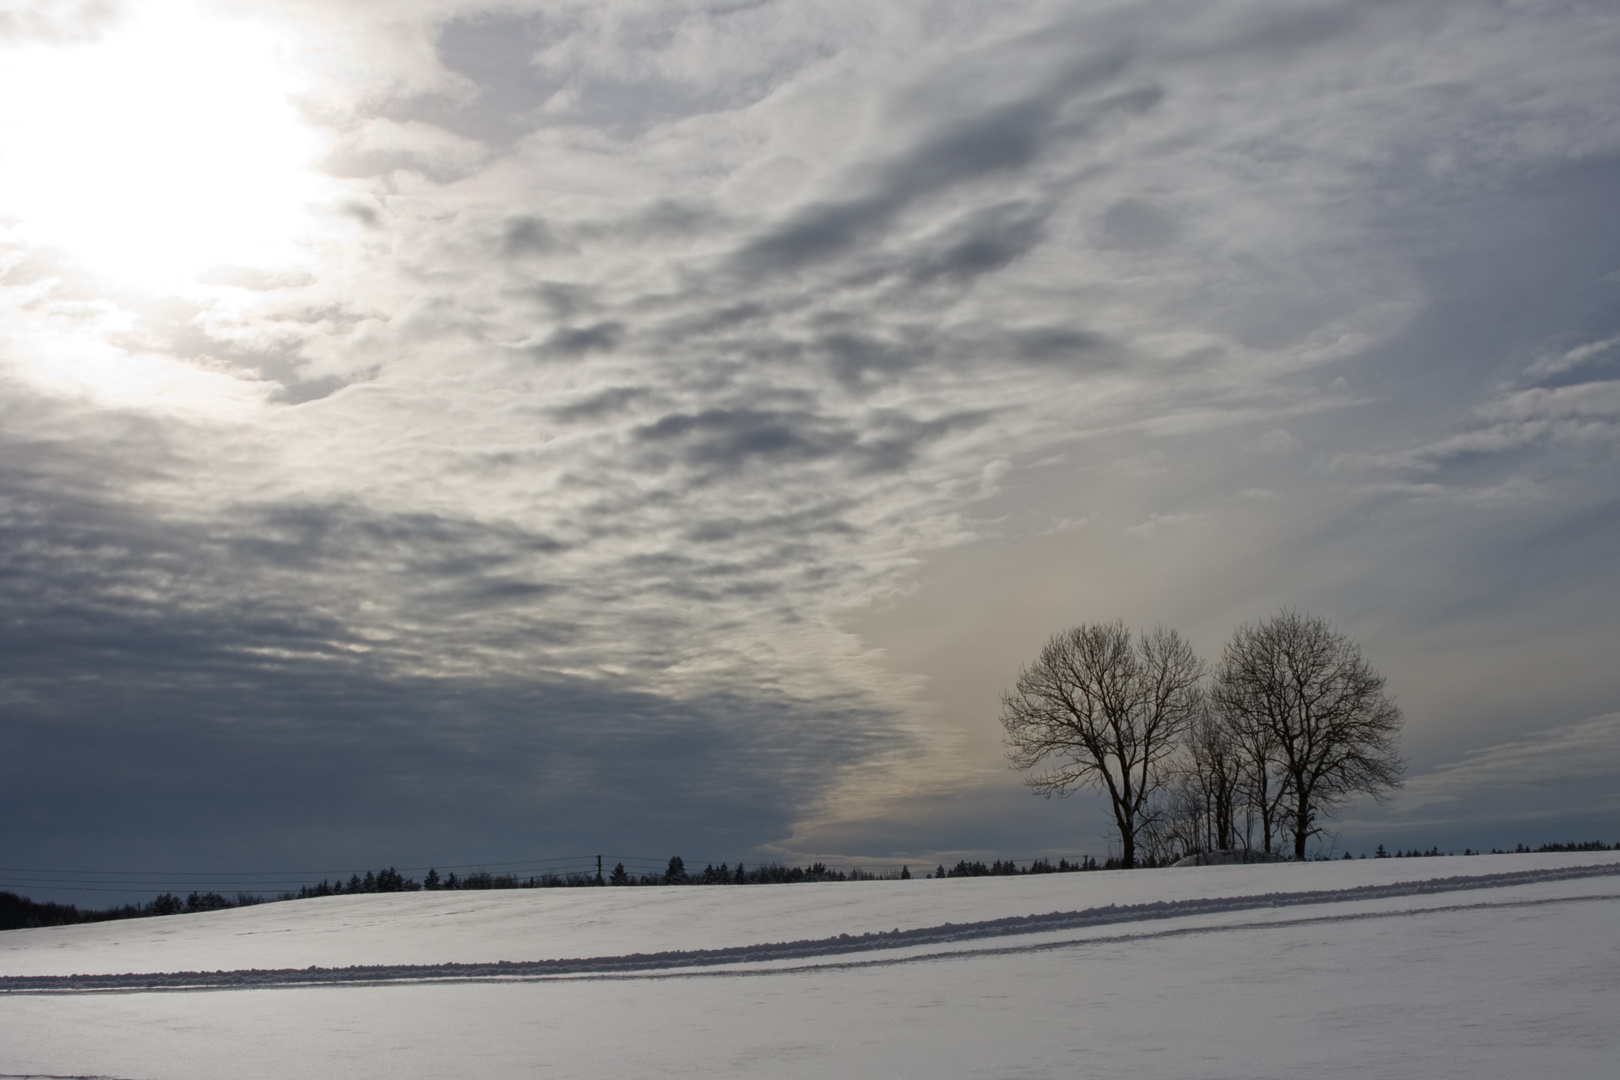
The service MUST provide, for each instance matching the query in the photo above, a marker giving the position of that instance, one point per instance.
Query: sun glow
(168, 146)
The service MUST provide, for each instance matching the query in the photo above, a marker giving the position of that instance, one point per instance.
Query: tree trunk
(1302, 827)
(1265, 820)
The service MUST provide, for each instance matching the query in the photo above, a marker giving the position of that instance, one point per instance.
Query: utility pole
(599, 880)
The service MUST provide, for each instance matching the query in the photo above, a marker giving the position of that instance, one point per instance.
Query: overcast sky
(433, 432)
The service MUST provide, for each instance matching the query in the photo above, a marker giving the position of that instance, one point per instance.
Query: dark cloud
(570, 341)
(989, 240)
(856, 359)
(1135, 225)
(1056, 343)
(562, 300)
(820, 519)
(431, 546)
(722, 441)
(1000, 140)
(497, 53)
(732, 438)
(173, 693)
(604, 403)
(309, 764)
(896, 439)
(1277, 33)
(527, 235)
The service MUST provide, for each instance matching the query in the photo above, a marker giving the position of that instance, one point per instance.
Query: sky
(439, 433)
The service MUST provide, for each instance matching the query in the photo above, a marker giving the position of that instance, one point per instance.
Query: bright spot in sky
(167, 146)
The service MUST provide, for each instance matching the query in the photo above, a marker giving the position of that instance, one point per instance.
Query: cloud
(1278, 441)
(578, 340)
(56, 21)
(1581, 413)
(1134, 225)
(528, 235)
(380, 145)
(1003, 139)
(1558, 773)
(220, 680)
(1160, 524)
(661, 337)
(986, 242)
(517, 70)
(1568, 360)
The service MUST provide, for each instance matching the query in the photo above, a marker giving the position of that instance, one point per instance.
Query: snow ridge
(842, 944)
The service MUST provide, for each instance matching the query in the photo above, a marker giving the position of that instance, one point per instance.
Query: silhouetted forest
(20, 913)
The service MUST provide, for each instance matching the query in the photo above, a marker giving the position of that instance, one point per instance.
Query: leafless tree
(1178, 822)
(1099, 710)
(1262, 783)
(1211, 779)
(1301, 698)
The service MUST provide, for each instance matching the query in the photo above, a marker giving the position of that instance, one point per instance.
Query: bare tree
(1262, 784)
(1101, 711)
(1212, 781)
(1300, 696)
(1178, 823)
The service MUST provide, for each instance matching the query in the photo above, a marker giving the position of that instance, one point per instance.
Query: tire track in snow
(645, 965)
(1110, 939)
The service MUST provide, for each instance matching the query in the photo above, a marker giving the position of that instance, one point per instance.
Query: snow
(1519, 976)
(1228, 856)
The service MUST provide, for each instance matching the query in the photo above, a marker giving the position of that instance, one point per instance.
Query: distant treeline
(1001, 868)
(676, 873)
(20, 913)
(1518, 849)
(17, 912)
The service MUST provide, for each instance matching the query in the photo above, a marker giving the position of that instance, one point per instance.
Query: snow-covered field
(1496, 966)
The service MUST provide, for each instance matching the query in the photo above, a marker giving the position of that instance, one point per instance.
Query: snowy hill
(1484, 966)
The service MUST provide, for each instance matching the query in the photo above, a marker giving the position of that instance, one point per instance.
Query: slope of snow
(536, 924)
(1503, 981)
